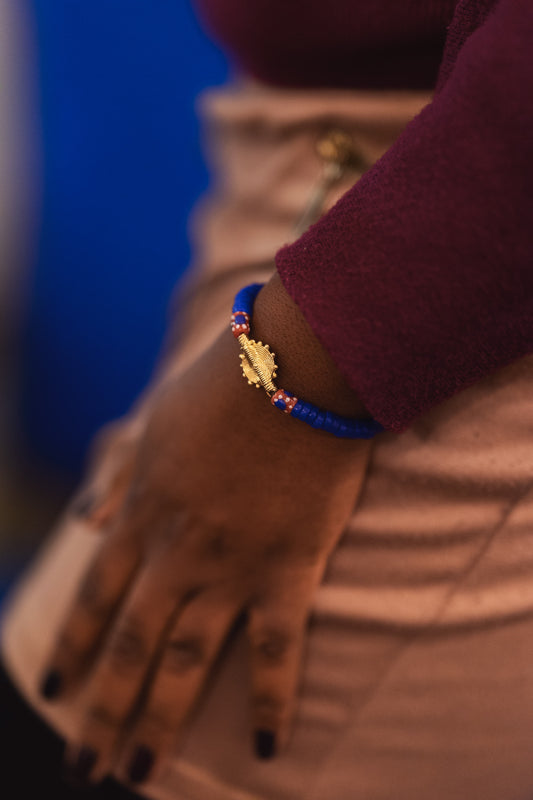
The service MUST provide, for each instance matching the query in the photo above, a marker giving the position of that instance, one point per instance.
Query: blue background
(121, 167)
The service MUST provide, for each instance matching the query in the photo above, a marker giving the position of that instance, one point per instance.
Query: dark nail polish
(78, 772)
(83, 505)
(51, 685)
(141, 764)
(265, 744)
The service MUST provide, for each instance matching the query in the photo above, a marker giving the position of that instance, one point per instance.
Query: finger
(98, 596)
(84, 503)
(276, 629)
(99, 503)
(182, 669)
(113, 462)
(109, 501)
(111, 442)
(117, 679)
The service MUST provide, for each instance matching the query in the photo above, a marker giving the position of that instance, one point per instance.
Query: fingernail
(83, 505)
(265, 744)
(141, 764)
(51, 685)
(78, 772)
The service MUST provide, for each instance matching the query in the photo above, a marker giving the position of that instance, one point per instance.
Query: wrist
(305, 367)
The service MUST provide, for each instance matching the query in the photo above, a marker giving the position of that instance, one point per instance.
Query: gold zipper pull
(337, 148)
(337, 153)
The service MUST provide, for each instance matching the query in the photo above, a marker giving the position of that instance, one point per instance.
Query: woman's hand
(232, 507)
(110, 467)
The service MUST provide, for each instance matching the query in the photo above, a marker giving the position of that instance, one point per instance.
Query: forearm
(305, 367)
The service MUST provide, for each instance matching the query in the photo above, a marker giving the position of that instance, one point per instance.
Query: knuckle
(92, 595)
(271, 645)
(216, 544)
(282, 550)
(67, 647)
(184, 653)
(277, 548)
(127, 646)
(212, 541)
(267, 706)
(138, 493)
(312, 553)
(191, 594)
(101, 715)
(155, 717)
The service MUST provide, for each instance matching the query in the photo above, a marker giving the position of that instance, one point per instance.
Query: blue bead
(297, 408)
(328, 423)
(244, 300)
(313, 411)
(280, 404)
(336, 425)
(304, 411)
(320, 419)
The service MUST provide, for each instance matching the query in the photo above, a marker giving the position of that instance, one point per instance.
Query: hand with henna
(231, 508)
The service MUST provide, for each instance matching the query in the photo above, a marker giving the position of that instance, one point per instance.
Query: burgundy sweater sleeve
(419, 281)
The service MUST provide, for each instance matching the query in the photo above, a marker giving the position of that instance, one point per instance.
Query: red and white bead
(289, 400)
(242, 326)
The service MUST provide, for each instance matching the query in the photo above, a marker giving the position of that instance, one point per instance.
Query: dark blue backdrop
(122, 167)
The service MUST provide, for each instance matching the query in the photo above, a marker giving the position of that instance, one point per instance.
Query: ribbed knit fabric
(420, 280)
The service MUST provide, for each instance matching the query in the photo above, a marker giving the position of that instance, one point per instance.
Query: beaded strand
(342, 427)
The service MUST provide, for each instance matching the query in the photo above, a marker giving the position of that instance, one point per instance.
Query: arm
(419, 282)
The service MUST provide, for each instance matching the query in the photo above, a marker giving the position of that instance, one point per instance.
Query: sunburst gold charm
(258, 364)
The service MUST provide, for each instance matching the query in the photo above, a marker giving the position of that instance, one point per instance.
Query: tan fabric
(418, 679)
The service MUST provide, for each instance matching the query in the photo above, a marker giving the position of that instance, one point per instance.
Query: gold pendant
(258, 364)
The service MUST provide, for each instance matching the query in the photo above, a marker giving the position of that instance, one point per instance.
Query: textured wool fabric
(419, 281)
(358, 44)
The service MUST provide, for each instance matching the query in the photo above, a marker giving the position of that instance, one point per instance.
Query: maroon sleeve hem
(419, 281)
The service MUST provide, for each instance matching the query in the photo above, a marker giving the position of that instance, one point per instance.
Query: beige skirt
(418, 675)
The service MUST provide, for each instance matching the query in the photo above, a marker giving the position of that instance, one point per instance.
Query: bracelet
(259, 368)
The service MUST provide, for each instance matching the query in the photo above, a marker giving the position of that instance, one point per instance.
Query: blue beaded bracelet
(259, 368)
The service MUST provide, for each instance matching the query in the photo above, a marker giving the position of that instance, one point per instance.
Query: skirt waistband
(263, 145)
